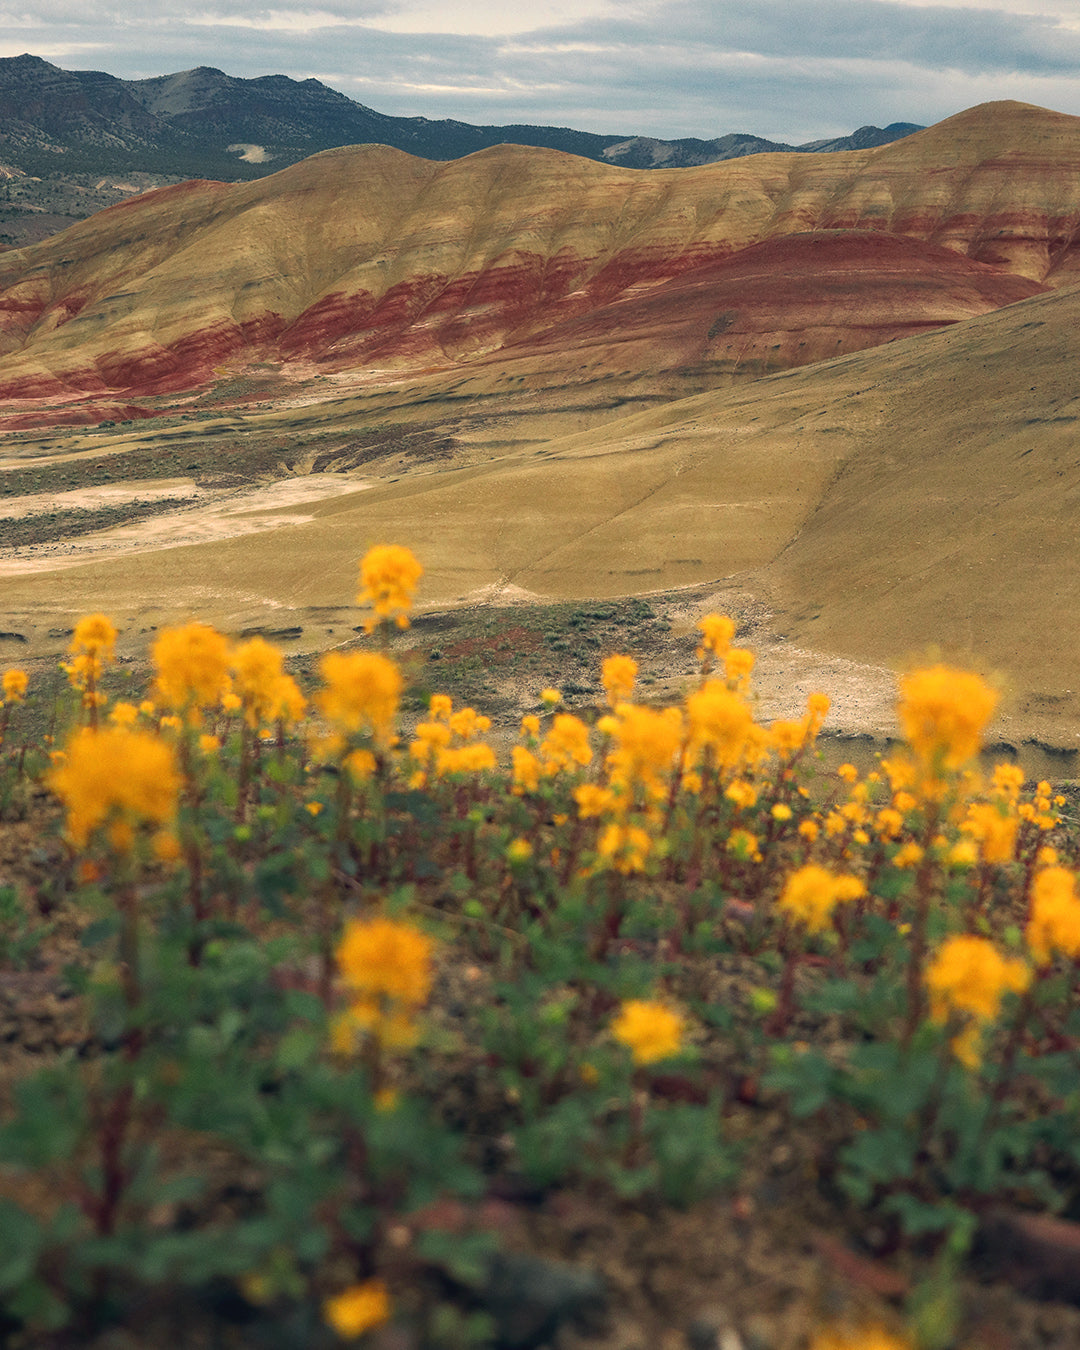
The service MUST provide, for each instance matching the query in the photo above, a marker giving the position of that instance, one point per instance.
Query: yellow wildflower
(994, 829)
(115, 775)
(357, 1309)
(518, 851)
(387, 968)
(969, 975)
(625, 847)
(92, 646)
(467, 722)
(720, 721)
(848, 772)
(651, 1030)
(526, 770)
(646, 743)
(95, 635)
(743, 845)
(123, 714)
(861, 1338)
(362, 692)
(889, 822)
(192, 663)
(1007, 781)
(812, 893)
(964, 853)
(781, 812)
(388, 958)
(430, 737)
(14, 685)
(593, 801)
(1054, 925)
(738, 664)
(440, 706)
(266, 693)
(943, 713)
(817, 709)
(717, 630)
(618, 674)
(550, 697)
(786, 736)
(908, 855)
(474, 757)
(743, 794)
(388, 576)
(360, 765)
(530, 726)
(566, 744)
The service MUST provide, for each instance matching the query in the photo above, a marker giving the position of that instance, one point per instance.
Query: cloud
(788, 69)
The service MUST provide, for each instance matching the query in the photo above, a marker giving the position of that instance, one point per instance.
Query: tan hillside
(925, 492)
(366, 258)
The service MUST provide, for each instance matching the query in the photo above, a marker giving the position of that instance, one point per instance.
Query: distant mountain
(646, 152)
(72, 142)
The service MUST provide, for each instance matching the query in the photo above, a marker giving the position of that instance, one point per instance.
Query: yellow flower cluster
(448, 743)
(618, 675)
(14, 685)
(119, 778)
(811, 894)
(266, 693)
(645, 743)
(651, 1030)
(362, 693)
(720, 723)
(360, 1308)
(625, 847)
(92, 647)
(386, 967)
(716, 630)
(388, 577)
(968, 975)
(860, 1338)
(1054, 922)
(943, 713)
(993, 827)
(192, 663)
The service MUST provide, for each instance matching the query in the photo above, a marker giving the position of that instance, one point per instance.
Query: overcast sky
(790, 70)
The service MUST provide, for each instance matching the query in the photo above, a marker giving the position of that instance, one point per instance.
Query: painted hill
(923, 492)
(369, 259)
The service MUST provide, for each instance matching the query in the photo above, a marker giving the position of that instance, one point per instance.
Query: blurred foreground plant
(343, 984)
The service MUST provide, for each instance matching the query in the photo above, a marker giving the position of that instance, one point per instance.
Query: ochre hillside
(922, 494)
(367, 258)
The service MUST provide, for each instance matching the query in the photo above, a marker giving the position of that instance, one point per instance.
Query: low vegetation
(343, 993)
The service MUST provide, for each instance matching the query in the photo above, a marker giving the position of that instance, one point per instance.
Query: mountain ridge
(74, 141)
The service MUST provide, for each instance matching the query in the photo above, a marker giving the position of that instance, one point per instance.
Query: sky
(788, 70)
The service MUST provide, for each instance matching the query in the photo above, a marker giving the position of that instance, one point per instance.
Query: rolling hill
(842, 386)
(369, 259)
(73, 142)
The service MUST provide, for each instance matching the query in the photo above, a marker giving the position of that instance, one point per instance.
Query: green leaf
(298, 1048)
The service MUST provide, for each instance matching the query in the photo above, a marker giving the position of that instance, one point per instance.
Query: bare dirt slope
(924, 493)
